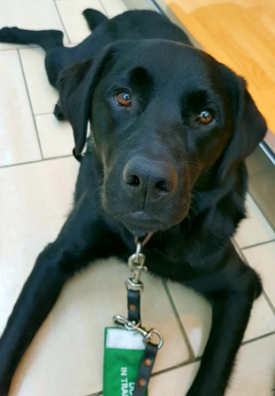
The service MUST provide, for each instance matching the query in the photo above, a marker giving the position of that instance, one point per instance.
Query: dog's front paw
(58, 113)
(7, 34)
(4, 388)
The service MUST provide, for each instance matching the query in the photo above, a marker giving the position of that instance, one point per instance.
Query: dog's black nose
(149, 180)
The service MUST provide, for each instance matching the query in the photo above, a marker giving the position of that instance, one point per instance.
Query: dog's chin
(141, 230)
(140, 223)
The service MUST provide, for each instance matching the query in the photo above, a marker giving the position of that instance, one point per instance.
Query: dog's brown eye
(205, 117)
(123, 99)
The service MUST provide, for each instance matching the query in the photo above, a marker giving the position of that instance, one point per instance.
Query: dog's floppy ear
(76, 86)
(249, 125)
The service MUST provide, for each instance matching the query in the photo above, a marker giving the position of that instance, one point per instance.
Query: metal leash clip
(121, 321)
(136, 264)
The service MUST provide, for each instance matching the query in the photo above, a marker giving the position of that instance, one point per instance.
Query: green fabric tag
(123, 351)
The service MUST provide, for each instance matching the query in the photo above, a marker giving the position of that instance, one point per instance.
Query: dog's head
(164, 116)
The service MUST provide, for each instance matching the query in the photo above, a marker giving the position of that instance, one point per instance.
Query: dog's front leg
(233, 292)
(78, 242)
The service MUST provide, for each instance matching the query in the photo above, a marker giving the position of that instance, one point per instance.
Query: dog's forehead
(168, 61)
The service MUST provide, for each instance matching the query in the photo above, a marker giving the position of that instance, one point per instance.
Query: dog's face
(158, 122)
(163, 116)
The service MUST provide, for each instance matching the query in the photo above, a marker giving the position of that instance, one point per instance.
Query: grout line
(43, 114)
(158, 8)
(21, 46)
(105, 9)
(250, 341)
(238, 249)
(271, 306)
(62, 23)
(186, 363)
(258, 338)
(186, 339)
(30, 103)
(257, 244)
(260, 210)
(36, 161)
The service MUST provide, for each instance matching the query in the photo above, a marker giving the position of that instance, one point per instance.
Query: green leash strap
(123, 352)
(145, 369)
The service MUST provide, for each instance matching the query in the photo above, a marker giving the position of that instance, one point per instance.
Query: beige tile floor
(37, 176)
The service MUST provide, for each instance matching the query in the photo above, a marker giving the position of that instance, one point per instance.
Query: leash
(130, 354)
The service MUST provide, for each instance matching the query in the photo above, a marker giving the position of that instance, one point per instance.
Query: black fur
(149, 166)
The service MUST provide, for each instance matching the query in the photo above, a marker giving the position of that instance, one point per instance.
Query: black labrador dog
(170, 129)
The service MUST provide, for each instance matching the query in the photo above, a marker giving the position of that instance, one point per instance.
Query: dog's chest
(170, 263)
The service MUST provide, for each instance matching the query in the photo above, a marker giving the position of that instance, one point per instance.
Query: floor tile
(255, 229)
(74, 21)
(262, 259)
(262, 320)
(253, 374)
(71, 353)
(29, 14)
(35, 200)
(19, 141)
(43, 96)
(113, 7)
(175, 382)
(56, 137)
(196, 316)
